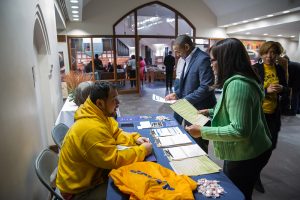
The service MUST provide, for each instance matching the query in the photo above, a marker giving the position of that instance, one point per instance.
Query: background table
(66, 114)
(113, 193)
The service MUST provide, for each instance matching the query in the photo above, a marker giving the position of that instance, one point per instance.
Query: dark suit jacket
(169, 62)
(294, 75)
(194, 86)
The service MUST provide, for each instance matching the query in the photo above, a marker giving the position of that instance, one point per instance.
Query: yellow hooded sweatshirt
(89, 150)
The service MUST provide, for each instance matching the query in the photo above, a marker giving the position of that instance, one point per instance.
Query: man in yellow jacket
(89, 149)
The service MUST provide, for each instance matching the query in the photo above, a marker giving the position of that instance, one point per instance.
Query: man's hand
(193, 130)
(142, 140)
(204, 112)
(171, 96)
(148, 147)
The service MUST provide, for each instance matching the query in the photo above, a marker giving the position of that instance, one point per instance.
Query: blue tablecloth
(113, 193)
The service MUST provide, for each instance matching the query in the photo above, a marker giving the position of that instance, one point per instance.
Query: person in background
(89, 150)
(131, 66)
(98, 63)
(195, 81)
(89, 67)
(169, 62)
(273, 78)
(110, 67)
(238, 129)
(82, 92)
(179, 68)
(142, 65)
(294, 84)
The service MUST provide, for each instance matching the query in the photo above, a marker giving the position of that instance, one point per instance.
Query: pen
(168, 152)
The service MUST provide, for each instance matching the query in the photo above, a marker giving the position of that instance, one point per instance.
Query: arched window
(147, 31)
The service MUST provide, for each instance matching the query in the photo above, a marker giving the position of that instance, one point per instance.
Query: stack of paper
(195, 166)
(188, 112)
(174, 140)
(162, 132)
(182, 152)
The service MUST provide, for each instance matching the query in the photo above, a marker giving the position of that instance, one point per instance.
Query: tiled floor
(281, 176)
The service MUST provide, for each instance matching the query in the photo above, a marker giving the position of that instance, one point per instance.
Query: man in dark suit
(195, 81)
(169, 62)
(294, 84)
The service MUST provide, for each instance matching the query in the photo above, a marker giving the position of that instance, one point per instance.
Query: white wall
(22, 136)
(97, 20)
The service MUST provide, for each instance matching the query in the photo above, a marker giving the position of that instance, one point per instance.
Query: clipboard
(188, 112)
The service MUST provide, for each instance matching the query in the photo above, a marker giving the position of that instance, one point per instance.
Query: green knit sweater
(239, 130)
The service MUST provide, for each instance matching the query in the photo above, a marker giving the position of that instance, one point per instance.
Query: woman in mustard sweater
(238, 128)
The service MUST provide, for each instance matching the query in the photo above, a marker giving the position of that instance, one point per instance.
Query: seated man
(89, 150)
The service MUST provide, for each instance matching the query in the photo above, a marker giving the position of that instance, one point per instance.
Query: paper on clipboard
(188, 112)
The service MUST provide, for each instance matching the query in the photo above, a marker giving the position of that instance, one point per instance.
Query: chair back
(45, 164)
(58, 133)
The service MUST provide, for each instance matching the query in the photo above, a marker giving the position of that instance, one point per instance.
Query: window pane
(155, 20)
(126, 26)
(80, 53)
(126, 70)
(184, 27)
(103, 48)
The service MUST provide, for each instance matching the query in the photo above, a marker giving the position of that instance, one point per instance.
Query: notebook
(182, 152)
(174, 140)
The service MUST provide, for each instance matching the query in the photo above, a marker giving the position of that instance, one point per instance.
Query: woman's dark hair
(232, 59)
(100, 90)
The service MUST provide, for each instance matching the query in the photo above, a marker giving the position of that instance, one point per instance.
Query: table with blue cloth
(113, 193)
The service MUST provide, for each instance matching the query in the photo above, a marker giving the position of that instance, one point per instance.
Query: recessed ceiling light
(292, 36)
(75, 15)
(245, 21)
(234, 23)
(74, 7)
(76, 19)
(248, 33)
(75, 11)
(74, 1)
(266, 34)
(256, 18)
(270, 15)
(279, 35)
(287, 11)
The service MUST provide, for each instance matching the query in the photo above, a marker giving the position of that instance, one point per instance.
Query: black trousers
(245, 173)
(274, 124)
(132, 75)
(169, 79)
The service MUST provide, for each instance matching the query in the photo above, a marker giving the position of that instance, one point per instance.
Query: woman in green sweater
(238, 128)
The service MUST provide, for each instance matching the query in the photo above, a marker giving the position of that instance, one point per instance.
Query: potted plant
(73, 79)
